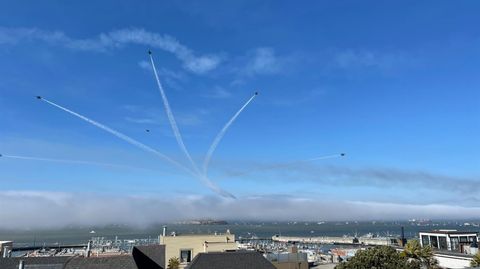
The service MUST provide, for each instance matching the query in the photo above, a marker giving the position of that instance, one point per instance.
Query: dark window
(443, 242)
(185, 255)
(472, 239)
(463, 239)
(425, 241)
(434, 241)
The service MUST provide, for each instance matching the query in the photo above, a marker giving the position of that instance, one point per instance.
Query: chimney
(21, 265)
(403, 240)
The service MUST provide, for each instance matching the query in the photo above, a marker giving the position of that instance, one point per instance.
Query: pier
(337, 240)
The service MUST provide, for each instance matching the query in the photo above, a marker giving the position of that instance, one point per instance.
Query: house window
(434, 241)
(425, 241)
(185, 255)
(454, 243)
(443, 242)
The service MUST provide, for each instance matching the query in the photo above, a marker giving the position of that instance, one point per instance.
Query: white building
(451, 240)
(5, 248)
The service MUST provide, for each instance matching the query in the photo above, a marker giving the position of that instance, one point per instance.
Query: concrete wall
(451, 261)
(196, 243)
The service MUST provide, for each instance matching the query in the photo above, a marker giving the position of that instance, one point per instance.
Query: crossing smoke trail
(286, 165)
(144, 147)
(220, 135)
(70, 161)
(120, 135)
(171, 118)
(176, 132)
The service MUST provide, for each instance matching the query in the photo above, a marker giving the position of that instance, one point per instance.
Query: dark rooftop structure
(34, 262)
(230, 260)
(151, 257)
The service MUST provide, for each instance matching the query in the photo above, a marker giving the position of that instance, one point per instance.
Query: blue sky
(392, 84)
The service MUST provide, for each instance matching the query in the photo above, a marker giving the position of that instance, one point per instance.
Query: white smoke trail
(176, 132)
(171, 119)
(286, 165)
(205, 180)
(122, 136)
(70, 161)
(220, 135)
(144, 147)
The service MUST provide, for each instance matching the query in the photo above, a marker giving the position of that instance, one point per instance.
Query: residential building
(451, 240)
(290, 260)
(186, 247)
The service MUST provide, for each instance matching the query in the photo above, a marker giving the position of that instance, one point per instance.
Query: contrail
(144, 147)
(176, 132)
(69, 161)
(215, 188)
(220, 135)
(288, 164)
(171, 118)
(121, 136)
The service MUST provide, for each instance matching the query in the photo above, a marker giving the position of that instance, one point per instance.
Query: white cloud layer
(350, 58)
(25, 209)
(113, 40)
(263, 61)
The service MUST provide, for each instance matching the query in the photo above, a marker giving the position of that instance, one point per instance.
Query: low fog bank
(28, 209)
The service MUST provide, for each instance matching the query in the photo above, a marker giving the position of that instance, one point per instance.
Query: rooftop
(142, 257)
(449, 232)
(231, 260)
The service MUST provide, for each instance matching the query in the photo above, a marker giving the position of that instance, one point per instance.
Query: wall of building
(196, 244)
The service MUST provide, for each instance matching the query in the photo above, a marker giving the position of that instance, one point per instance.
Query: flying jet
(147, 130)
(39, 97)
(342, 154)
(1, 155)
(149, 52)
(256, 93)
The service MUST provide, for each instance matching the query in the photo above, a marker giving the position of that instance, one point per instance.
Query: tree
(476, 260)
(422, 257)
(173, 263)
(380, 257)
